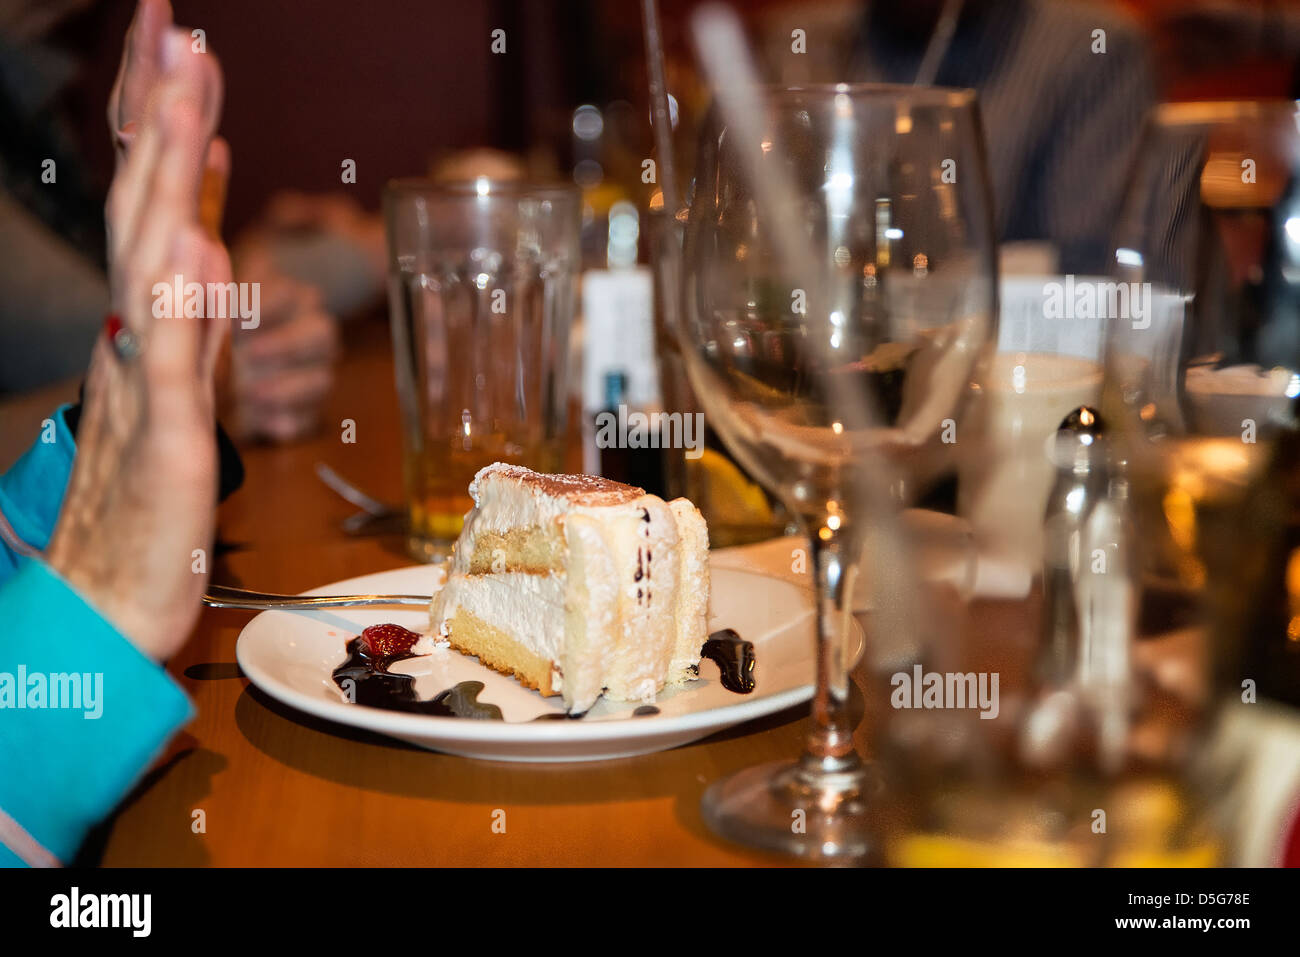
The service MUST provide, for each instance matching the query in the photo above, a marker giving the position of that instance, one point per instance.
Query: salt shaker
(1089, 600)
(1051, 728)
(1106, 592)
(1076, 452)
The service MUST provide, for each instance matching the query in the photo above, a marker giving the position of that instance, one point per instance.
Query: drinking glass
(1201, 385)
(481, 294)
(835, 381)
(737, 510)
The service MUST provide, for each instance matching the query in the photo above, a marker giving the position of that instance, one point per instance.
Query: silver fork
(374, 514)
(223, 596)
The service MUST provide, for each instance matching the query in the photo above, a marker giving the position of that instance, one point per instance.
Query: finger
(277, 302)
(310, 338)
(178, 110)
(213, 86)
(171, 358)
(172, 206)
(144, 57)
(283, 298)
(198, 72)
(281, 420)
(290, 389)
(140, 69)
(280, 424)
(132, 191)
(129, 195)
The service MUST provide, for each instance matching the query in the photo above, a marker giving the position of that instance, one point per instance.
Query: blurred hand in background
(281, 370)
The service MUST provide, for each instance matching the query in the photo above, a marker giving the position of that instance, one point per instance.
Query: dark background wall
(388, 83)
(394, 83)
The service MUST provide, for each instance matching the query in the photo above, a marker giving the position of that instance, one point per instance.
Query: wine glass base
(782, 806)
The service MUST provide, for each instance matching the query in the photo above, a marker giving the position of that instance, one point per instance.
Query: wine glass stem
(829, 748)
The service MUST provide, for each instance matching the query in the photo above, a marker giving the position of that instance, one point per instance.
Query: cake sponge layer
(499, 651)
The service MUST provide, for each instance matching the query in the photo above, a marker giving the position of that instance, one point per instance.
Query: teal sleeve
(63, 769)
(31, 491)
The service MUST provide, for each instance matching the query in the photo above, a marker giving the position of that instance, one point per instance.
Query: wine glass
(829, 330)
(1203, 369)
(1201, 364)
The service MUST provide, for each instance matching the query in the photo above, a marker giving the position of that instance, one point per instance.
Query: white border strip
(23, 844)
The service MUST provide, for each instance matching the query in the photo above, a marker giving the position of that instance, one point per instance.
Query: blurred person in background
(100, 520)
(1064, 88)
(53, 288)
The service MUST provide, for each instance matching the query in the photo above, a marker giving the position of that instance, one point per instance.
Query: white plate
(291, 655)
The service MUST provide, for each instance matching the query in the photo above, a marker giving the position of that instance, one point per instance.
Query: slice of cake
(578, 586)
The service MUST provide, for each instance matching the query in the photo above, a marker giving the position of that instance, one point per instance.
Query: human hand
(282, 369)
(139, 513)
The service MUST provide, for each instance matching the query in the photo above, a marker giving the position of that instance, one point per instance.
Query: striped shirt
(1061, 122)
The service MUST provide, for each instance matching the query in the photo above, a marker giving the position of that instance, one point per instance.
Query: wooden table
(279, 788)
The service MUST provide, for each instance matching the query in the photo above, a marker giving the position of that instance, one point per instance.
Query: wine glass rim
(480, 186)
(918, 95)
(1208, 112)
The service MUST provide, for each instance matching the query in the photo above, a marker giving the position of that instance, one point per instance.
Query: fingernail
(175, 45)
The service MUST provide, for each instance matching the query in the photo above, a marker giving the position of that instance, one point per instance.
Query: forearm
(82, 714)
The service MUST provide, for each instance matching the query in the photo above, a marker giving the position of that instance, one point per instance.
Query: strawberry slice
(388, 641)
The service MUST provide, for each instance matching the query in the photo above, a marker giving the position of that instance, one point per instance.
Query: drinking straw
(663, 128)
(724, 54)
(940, 40)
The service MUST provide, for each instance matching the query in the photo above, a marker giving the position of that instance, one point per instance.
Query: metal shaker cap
(1078, 441)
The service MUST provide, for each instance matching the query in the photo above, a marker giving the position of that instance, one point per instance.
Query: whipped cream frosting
(530, 608)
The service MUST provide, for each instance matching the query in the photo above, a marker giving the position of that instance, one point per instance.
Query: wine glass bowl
(829, 328)
(903, 297)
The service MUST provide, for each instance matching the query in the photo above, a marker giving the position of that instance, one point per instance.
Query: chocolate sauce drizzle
(643, 593)
(367, 681)
(734, 657)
